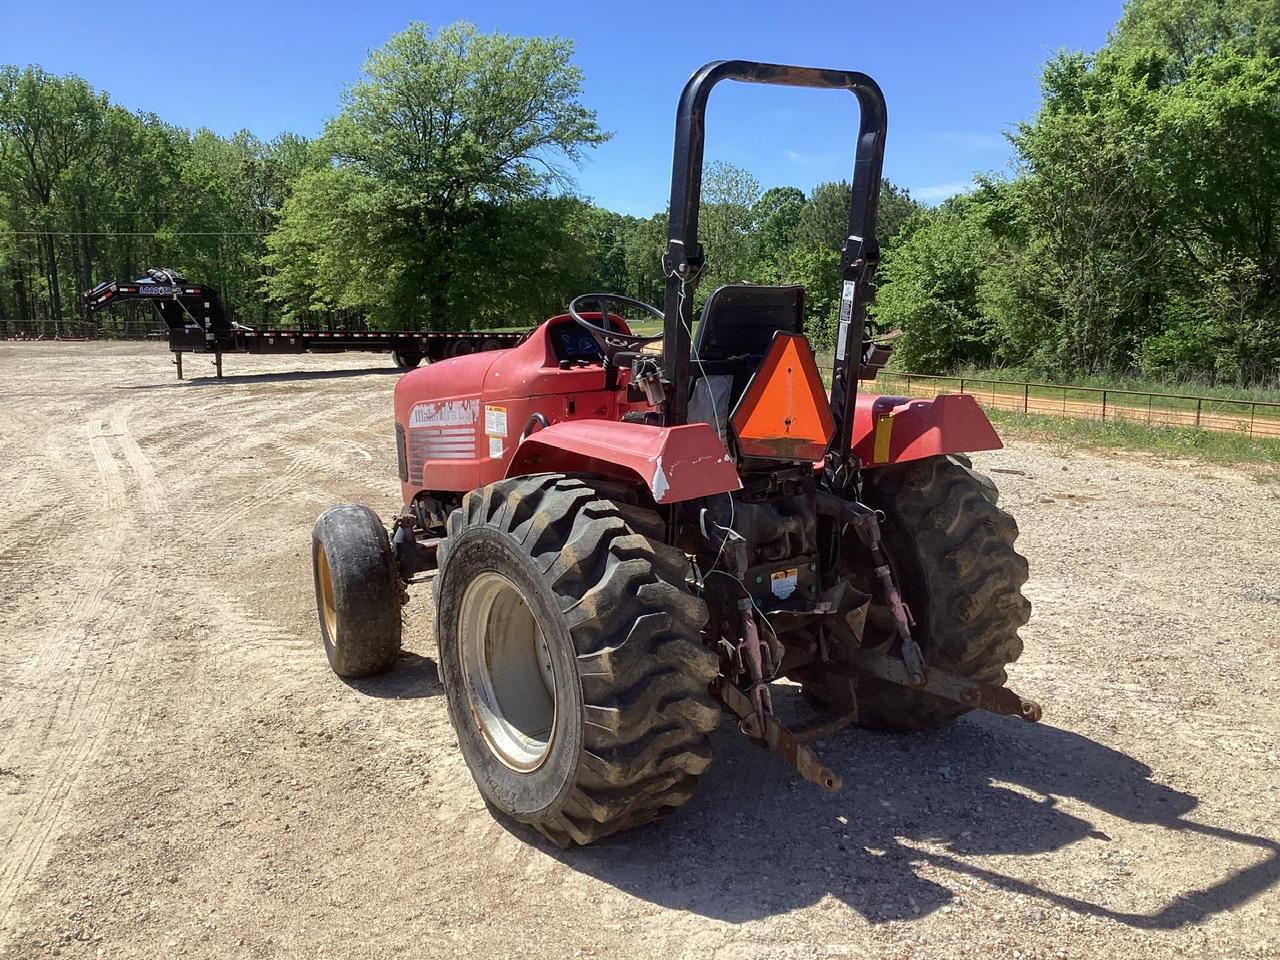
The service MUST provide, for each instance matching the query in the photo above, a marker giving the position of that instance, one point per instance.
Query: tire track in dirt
(307, 459)
(194, 436)
(72, 697)
(30, 491)
(103, 531)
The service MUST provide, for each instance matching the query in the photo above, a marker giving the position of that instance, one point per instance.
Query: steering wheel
(612, 342)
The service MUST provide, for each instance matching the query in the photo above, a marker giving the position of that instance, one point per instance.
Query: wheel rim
(328, 607)
(507, 669)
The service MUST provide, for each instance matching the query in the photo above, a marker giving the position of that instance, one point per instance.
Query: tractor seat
(736, 329)
(739, 321)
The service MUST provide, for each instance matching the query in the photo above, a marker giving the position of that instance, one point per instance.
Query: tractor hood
(445, 379)
(459, 421)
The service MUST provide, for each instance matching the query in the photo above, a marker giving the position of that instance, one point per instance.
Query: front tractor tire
(571, 655)
(952, 551)
(358, 590)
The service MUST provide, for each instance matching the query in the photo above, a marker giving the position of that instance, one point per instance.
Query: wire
(134, 233)
(721, 432)
(763, 618)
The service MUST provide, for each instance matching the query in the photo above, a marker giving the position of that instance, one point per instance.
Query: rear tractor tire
(952, 551)
(358, 590)
(571, 655)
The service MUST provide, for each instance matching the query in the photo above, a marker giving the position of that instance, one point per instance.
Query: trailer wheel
(358, 590)
(459, 348)
(406, 359)
(952, 550)
(571, 656)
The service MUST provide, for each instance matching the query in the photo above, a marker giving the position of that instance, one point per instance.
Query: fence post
(1199, 401)
(962, 384)
(1104, 406)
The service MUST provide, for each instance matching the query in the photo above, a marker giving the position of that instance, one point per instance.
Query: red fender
(898, 429)
(675, 463)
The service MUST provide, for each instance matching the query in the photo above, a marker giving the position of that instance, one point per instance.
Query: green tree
(931, 289)
(824, 221)
(1093, 232)
(726, 224)
(644, 245)
(776, 215)
(440, 127)
(1141, 225)
(1182, 32)
(817, 269)
(53, 132)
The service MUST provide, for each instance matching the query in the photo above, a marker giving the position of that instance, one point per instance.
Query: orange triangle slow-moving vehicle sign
(784, 413)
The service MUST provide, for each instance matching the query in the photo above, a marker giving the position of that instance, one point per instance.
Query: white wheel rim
(507, 669)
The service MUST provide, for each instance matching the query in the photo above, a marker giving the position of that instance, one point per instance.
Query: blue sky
(955, 74)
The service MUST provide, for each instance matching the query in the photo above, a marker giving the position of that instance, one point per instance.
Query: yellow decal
(884, 431)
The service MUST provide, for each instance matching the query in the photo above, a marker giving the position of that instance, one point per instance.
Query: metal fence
(1254, 418)
(131, 322)
(119, 328)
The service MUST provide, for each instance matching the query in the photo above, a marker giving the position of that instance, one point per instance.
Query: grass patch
(1215, 447)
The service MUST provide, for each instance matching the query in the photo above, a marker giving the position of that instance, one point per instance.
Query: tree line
(1137, 228)
(90, 191)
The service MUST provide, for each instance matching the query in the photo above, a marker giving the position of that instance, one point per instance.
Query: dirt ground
(180, 773)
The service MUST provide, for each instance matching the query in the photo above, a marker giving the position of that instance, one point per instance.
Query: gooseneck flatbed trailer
(198, 323)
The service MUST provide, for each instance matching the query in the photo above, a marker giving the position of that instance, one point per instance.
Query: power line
(134, 233)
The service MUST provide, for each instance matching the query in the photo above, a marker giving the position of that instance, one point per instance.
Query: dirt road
(180, 774)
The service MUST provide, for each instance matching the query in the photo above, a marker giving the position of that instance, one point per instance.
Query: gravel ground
(180, 774)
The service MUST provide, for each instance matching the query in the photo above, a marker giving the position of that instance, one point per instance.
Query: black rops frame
(683, 260)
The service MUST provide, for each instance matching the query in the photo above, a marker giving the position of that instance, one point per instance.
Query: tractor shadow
(756, 842)
(412, 678)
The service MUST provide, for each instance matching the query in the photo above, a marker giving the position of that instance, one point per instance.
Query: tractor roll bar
(683, 260)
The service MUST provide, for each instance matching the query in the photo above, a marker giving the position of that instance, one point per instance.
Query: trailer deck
(197, 323)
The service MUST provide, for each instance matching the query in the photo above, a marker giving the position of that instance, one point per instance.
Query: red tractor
(627, 537)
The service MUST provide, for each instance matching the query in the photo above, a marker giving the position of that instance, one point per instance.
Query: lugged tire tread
(973, 579)
(637, 635)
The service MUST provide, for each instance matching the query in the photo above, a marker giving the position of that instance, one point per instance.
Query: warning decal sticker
(846, 315)
(495, 420)
(495, 447)
(783, 582)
